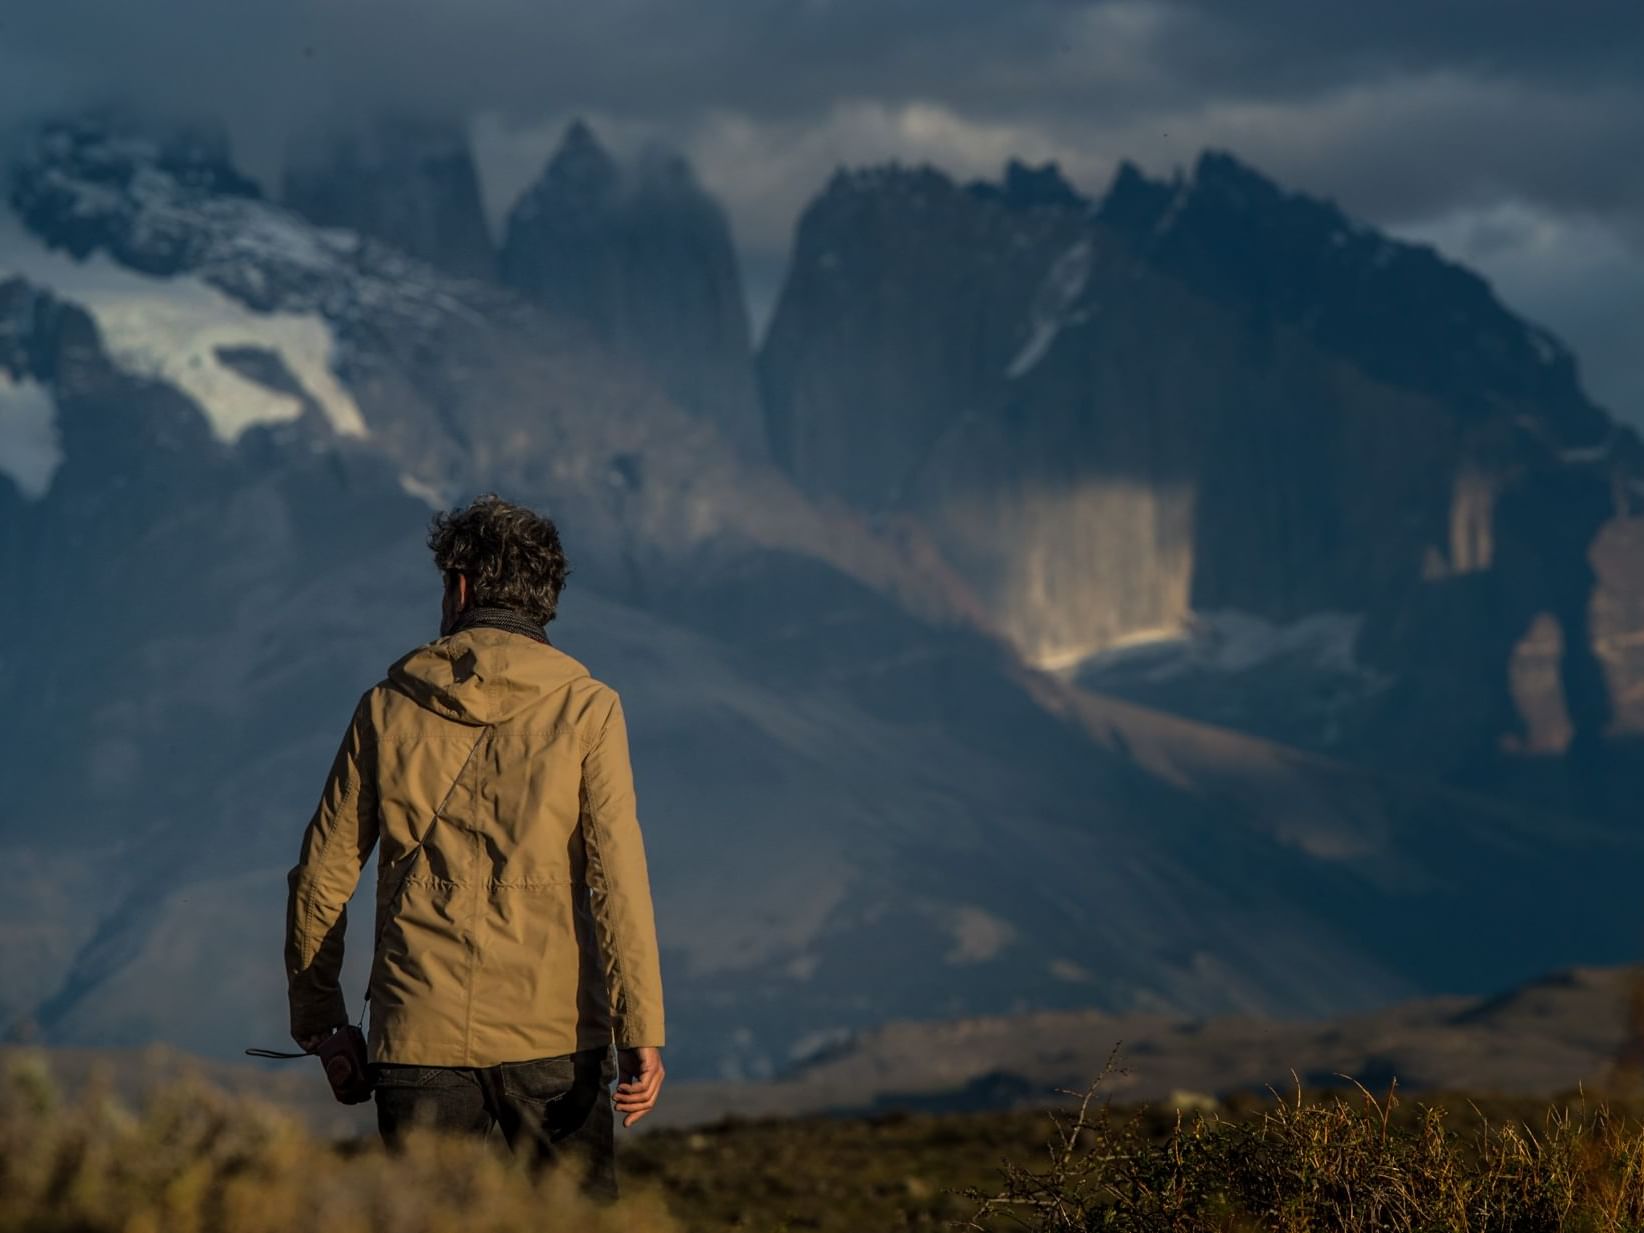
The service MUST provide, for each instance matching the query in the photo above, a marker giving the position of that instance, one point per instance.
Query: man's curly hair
(511, 555)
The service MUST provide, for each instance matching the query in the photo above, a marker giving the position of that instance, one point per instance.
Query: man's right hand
(640, 1080)
(311, 1044)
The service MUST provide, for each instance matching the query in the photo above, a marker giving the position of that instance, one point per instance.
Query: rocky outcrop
(407, 181)
(643, 257)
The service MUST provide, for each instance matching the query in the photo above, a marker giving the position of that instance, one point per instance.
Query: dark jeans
(549, 1108)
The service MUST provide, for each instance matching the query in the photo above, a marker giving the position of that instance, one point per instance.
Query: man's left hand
(641, 1072)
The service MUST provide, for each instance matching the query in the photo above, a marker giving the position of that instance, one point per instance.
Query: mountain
(405, 180)
(1214, 446)
(1401, 312)
(221, 430)
(643, 257)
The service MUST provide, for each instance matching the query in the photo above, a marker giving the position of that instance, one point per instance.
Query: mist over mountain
(643, 256)
(878, 635)
(408, 181)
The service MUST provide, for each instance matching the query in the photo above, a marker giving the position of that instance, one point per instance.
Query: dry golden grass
(1338, 1164)
(193, 1160)
(190, 1159)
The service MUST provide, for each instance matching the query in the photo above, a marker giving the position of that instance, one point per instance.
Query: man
(514, 931)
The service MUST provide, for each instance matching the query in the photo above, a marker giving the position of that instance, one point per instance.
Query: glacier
(176, 330)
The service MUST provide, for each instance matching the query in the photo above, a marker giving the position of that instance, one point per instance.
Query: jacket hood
(482, 676)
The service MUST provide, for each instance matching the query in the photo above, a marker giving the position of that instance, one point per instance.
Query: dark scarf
(491, 616)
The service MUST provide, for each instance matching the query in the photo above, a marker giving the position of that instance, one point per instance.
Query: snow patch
(1051, 304)
(30, 451)
(1231, 641)
(1546, 349)
(1590, 453)
(1585, 453)
(170, 329)
(1173, 210)
(1234, 641)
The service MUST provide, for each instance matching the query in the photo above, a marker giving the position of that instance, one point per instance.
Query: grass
(1353, 1164)
(192, 1160)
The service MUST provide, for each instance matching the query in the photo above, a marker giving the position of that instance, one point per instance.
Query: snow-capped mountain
(221, 427)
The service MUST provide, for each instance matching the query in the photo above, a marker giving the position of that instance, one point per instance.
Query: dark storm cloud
(1305, 45)
(640, 55)
(1416, 114)
(1529, 97)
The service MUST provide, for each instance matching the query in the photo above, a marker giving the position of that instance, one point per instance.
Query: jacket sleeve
(335, 848)
(619, 887)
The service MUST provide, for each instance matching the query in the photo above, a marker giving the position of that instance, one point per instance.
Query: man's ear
(462, 592)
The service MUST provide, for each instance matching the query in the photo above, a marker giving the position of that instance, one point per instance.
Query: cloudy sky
(1509, 133)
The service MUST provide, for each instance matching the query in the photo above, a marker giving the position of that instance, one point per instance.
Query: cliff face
(643, 257)
(1122, 419)
(409, 182)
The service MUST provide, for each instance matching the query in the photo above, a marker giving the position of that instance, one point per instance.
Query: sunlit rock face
(1208, 396)
(1549, 677)
(1618, 615)
(1097, 447)
(642, 256)
(407, 181)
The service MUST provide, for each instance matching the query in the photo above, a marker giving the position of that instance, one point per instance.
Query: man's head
(497, 553)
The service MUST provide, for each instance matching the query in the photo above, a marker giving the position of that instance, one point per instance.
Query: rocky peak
(582, 168)
(1399, 310)
(105, 147)
(665, 176)
(580, 182)
(78, 180)
(907, 297)
(643, 257)
(1134, 202)
(1027, 188)
(408, 181)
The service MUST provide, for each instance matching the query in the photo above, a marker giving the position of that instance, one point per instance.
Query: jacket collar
(494, 616)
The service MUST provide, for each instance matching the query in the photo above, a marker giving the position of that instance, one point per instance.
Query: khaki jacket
(513, 907)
